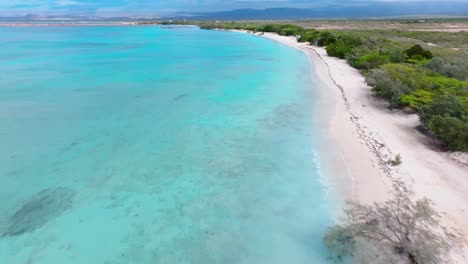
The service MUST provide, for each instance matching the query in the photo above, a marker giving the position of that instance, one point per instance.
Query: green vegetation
(398, 68)
(417, 54)
(447, 117)
(452, 68)
(400, 230)
(342, 45)
(396, 161)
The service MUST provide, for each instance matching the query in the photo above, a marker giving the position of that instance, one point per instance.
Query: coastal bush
(338, 49)
(451, 130)
(384, 86)
(447, 118)
(371, 61)
(270, 28)
(309, 35)
(355, 54)
(400, 230)
(444, 85)
(447, 105)
(417, 98)
(434, 87)
(397, 55)
(457, 69)
(410, 75)
(325, 38)
(249, 27)
(343, 44)
(372, 53)
(291, 30)
(417, 53)
(410, 85)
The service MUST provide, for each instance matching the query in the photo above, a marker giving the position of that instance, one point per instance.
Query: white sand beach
(367, 135)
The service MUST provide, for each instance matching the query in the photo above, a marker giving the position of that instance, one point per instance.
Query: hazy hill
(375, 10)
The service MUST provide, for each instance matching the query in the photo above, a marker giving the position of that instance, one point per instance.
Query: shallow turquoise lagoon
(157, 145)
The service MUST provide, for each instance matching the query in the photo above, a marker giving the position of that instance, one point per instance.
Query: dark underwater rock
(40, 209)
(179, 97)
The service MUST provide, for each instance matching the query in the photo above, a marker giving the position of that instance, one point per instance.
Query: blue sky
(161, 7)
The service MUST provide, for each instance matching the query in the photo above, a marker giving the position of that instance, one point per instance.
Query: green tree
(371, 61)
(418, 53)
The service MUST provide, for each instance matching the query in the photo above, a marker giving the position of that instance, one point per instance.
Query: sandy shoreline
(367, 135)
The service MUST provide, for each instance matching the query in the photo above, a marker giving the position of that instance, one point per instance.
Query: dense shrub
(446, 104)
(284, 30)
(386, 87)
(290, 30)
(412, 84)
(417, 99)
(325, 38)
(447, 117)
(343, 45)
(371, 61)
(338, 49)
(450, 68)
(353, 56)
(309, 35)
(372, 53)
(410, 75)
(397, 55)
(417, 53)
(251, 27)
(270, 28)
(452, 131)
(444, 85)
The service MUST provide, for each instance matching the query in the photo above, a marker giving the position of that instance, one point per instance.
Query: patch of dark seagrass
(40, 209)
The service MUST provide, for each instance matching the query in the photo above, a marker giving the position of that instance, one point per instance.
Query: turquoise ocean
(146, 144)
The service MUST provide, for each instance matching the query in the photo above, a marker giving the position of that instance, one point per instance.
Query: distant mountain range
(256, 14)
(377, 10)
(374, 10)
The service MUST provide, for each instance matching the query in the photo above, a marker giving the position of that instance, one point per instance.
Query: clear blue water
(157, 145)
